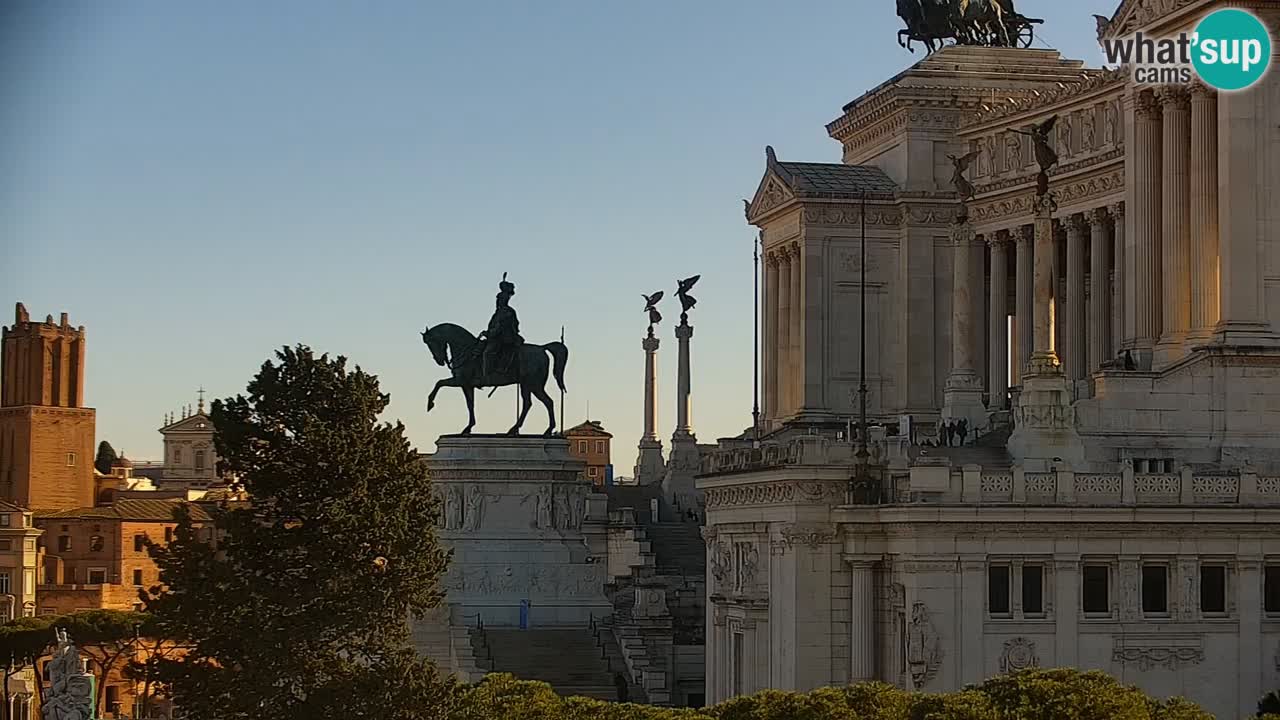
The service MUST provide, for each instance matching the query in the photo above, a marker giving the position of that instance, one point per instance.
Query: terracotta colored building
(96, 557)
(46, 433)
(589, 441)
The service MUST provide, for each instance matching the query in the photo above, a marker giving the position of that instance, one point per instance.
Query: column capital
(1116, 210)
(1025, 234)
(771, 258)
(1097, 218)
(860, 562)
(962, 233)
(1145, 105)
(1074, 224)
(793, 249)
(1201, 92)
(999, 238)
(1173, 97)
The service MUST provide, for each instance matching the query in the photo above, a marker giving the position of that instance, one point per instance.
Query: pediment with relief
(772, 193)
(194, 423)
(1135, 15)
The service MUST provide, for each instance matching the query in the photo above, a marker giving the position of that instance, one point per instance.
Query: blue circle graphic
(1232, 49)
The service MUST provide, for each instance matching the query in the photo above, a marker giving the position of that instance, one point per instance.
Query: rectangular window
(1032, 590)
(1095, 583)
(31, 544)
(139, 543)
(199, 459)
(1155, 589)
(137, 576)
(4, 519)
(97, 576)
(6, 544)
(998, 590)
(582, 446)
(600, 446)
(5, 584)
(591, 471)
(71, 459)
(64, 543)
(96, 543)
(168, 534)
(1213, 589)
(1271, 589)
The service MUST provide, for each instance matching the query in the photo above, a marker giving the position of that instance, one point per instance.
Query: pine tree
(106, 458)
(296, 606)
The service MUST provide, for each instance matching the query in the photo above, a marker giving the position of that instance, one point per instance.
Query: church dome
(122, 462)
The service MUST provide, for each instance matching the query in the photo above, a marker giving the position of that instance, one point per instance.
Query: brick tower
(46, 433)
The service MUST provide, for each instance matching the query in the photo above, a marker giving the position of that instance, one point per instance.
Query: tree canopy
(106, 458)
(1060, 694)
(297, 604)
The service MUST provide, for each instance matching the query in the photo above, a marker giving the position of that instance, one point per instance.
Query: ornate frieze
(556, 581)
(812, 535)
(778, 492)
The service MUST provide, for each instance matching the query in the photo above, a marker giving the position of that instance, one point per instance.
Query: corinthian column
(998, 357)
(1099, 322)
(1204, 211)
(771, 336)
(649, 463)
(1176, 221)
(782, 351)
(962, 394)
(1076, 354)
(1043, 358)
(1122, 319)
(1145, 215)
(862, 646)
(795, 386)
(1025, 291)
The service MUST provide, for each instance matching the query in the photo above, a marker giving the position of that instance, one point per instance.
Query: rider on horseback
(500, 343)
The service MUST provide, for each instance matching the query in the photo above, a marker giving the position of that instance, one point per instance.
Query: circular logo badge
(1232, 50)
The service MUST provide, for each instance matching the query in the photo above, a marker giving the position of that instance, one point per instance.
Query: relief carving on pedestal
(924, 647)
(747, 559)
(1019, 654)
(808, 534)
(721, 564)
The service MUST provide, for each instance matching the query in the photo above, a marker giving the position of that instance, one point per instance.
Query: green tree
(22, 643)
(106, 458)
(1269, 704)
(297, 604)
(108, 637)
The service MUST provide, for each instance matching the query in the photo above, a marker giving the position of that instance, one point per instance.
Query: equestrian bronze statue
(497, 357)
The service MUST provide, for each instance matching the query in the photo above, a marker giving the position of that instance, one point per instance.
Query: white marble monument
(524, 528)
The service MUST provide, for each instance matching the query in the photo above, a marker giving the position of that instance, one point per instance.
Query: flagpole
(562, 389)
(755, 340)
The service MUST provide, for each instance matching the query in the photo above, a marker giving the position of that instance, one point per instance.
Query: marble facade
(1117, 349)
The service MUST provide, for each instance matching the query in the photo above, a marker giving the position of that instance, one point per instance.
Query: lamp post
(861, 487)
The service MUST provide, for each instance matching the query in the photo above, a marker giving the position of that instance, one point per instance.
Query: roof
(10, 507)
(588, 427)
(835, 179)
(122, 462)
(126, 509)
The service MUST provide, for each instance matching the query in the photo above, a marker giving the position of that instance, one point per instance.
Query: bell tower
(46, 433)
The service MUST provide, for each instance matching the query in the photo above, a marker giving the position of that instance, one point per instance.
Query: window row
(1096, 583)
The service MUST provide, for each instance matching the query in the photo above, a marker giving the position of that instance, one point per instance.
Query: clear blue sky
(199, 183)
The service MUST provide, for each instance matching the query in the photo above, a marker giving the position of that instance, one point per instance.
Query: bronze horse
(454, 347)
(968, 22)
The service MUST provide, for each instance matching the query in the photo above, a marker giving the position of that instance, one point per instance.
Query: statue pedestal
(1044, 421)
(678, 487)
(525, 530)
(650, 467)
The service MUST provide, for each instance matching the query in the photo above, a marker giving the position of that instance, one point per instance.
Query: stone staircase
(679, 548)
(449, 648)
(574, 661)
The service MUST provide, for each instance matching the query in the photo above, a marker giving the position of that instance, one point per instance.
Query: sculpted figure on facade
(1088, 131)
(453, 508)
(542, 509)
(924, 652)
(578, 509)
(475, 508)
(721, 565)
(564, 511)
(1013, 152)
